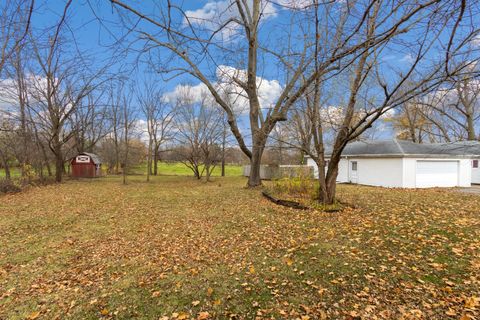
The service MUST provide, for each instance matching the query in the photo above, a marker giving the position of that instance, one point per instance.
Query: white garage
(471, 148)
(403, 164)
(437, 174)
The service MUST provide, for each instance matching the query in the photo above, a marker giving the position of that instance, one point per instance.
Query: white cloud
(408, 58)
(295, 4)
(214, 14)
(9, 89)
(268, 90)
(476, 41)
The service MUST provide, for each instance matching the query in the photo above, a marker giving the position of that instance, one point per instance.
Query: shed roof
(96, 159)
(403, 148)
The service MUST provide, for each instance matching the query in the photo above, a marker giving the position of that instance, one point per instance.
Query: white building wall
(312, 163)
(465, 173)
(410, 171)
(382, 172)
(395, 172)
(342, 169)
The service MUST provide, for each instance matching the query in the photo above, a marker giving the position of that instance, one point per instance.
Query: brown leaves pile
(178, 249)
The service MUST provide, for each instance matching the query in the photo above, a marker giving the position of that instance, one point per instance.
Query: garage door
(437, 174)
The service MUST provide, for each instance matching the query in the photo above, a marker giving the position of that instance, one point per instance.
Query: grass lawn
(14, 172)
(180, 169)
(176, 248)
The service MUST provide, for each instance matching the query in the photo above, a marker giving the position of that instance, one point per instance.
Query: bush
(9, 186)
(29, 172)
(297, 187)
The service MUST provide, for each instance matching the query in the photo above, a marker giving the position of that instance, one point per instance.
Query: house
(86, 165)
(466, 147)
(404, 164)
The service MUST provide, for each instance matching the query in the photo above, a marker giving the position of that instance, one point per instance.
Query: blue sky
(95, 38)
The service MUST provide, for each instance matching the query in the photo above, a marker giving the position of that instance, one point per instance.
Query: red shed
(86, 165)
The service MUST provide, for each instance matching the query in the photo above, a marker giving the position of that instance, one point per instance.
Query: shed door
(436, 174)
(476, 171)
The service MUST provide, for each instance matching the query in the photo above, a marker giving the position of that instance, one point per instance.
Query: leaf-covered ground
(176, 248)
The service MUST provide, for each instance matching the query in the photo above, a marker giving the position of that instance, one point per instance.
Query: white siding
(382, 172)
(343, 171)
(311, 163)
(410, 171)
(437, 174)
(394, 172)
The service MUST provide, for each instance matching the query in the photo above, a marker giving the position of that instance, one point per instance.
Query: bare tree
(410, 122)
(6, 142)
(373, 90)
(159, 118)
(63, 80)
(453, 110)
(15, 18)
(199, 133)
(89, 122)
(195, 43)
(116, 94)
(128, 123)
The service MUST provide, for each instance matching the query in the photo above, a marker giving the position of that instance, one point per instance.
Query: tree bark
(59, 168)
(254, 180)
(57, 151)
(149, 159)
(155, 162)
(6, 167)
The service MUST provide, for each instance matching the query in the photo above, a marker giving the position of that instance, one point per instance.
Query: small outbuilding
(404, 164)
(86, 165)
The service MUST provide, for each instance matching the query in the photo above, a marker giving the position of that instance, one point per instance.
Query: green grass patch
(180, 248)
(180, 169)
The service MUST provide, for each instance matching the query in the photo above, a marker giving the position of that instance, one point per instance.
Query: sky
(96, 27)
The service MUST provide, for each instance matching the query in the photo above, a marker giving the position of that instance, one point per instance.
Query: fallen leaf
(450, 312)
(203, 315)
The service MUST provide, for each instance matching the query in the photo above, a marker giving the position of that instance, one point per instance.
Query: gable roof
(96, 159)
(403, 148)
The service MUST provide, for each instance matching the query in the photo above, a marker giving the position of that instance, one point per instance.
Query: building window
(475, 164)
(354, 165)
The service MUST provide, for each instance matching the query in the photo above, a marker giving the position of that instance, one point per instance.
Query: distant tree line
(332, 73)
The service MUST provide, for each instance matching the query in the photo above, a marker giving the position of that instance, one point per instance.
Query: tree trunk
(49, 168)
(149, 160)
(328, 181)
(6, 167)
(155, 162)
(254, 179)
(471, 127)
(57, 151)
(207, 172)
(224, 138)
(59, 168)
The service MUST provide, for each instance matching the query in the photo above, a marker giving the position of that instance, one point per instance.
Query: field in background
(178, 248)
(168, 169)
(180, 169)
(15, 172)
